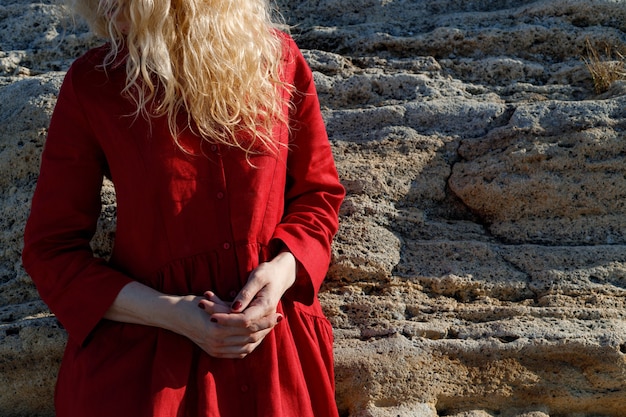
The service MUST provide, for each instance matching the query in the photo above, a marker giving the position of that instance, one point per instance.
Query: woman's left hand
(262, 293)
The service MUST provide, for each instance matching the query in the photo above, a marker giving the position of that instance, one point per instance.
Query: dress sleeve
(313, 192)
(78, 287)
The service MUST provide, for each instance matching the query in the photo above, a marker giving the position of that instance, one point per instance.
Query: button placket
(220, 195)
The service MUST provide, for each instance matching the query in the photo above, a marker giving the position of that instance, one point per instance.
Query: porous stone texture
(480, 267)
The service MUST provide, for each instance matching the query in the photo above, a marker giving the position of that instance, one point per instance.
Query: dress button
(244, 388)
(226, 245)
(214, 148)
(220, 195)
(233, 294)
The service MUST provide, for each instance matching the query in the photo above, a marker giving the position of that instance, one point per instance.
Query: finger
(238, 346)
(234, 342)
(246, 323)
(254, 285)
(211, 303)
(241, 340)
(211, 296)
(212, 308)
(235, 352)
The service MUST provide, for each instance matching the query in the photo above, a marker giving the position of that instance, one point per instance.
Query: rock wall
(480, 268)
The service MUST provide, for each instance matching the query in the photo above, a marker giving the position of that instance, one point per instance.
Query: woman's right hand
(191, 316)
(218, 340)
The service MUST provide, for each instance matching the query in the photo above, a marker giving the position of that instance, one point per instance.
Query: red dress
(185, 224)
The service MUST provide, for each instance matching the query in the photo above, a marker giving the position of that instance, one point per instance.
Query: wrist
(285, 259)
(178, 313)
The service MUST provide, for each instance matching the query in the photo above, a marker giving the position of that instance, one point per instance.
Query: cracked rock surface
(480, 267)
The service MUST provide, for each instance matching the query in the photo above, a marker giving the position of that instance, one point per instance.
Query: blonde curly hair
(217, 61)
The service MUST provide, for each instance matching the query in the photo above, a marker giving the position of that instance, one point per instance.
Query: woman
(206, 119)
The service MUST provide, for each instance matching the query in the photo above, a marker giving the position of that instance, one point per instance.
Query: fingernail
(201, 306)
(236, 305)
(279, 319)
(213, 319)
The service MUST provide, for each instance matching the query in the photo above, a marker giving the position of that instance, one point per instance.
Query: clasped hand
(234, 330)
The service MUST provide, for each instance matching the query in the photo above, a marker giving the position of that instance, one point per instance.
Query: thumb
(247, 293)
